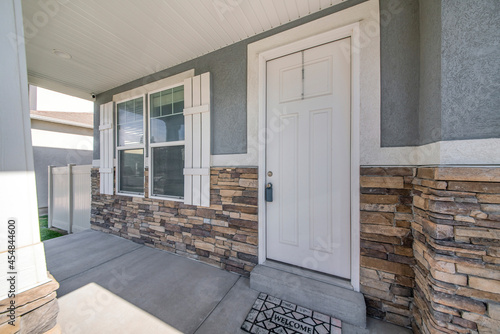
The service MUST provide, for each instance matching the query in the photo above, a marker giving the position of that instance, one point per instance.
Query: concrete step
(339, 302)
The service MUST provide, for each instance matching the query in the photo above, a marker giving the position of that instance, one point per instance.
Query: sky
(48, 100)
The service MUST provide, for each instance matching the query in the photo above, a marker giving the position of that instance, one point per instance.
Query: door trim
(352, 31)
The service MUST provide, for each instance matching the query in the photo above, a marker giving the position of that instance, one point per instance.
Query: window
(130, 145)
(166, 124)
(157, 128)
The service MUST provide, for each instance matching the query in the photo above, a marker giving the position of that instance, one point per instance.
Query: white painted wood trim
(351, 30)
(205, 138)
(130, 194)
(197, 110)
(166, 198)
(355, 160)
(102, 147)
(106, 148)
(188, 139)
(197, 138)
(236, 160)
(105, 170)
(168, 143)
(153, 86)
(196, 171)
(196, 179)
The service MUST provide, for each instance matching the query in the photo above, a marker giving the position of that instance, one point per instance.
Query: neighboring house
(59, 138)
(347, 160)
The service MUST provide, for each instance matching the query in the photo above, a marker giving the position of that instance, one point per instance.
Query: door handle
(269, 192)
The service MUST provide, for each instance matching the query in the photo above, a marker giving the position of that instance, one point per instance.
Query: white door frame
(352, 31)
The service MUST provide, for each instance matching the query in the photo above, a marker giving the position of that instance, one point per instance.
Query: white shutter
(197, 140)
(106, 148)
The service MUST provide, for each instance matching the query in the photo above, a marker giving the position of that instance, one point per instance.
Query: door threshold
(321, 277)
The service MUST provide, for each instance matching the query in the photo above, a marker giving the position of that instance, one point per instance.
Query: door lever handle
(269, 192)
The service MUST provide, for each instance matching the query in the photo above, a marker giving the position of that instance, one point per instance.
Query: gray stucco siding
(429, 128)
(399, 66)
(471, 69)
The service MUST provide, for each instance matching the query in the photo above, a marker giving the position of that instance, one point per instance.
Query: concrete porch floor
(137, 289)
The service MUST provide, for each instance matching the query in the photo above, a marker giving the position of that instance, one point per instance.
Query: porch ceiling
(112, 42)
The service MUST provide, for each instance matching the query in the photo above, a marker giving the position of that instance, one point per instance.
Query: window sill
(130, 195)
(173, 199)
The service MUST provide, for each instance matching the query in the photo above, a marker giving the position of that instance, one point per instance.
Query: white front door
(308, 158)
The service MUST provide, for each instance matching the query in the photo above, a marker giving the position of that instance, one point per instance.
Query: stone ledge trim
(36, 310)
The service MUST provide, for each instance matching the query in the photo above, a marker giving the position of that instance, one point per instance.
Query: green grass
(45, 232)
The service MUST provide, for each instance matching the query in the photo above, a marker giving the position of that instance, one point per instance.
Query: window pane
(155, 105)
(179, 107)
(166, 102)
(130, 122)
(130, 111)
(168, 124)
(130, 133)
(178, 94)
(168, 171)
(138, 110)
(132, 170)
(167, 128)
(166, 109)
(122, 113)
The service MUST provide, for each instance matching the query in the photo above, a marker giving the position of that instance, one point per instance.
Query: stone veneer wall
(457, 250)
(223, 235)
(430, 247)
(387, 277)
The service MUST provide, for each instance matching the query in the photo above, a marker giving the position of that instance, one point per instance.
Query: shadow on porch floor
(131, 288)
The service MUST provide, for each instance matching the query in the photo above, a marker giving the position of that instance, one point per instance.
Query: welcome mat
(273, 315)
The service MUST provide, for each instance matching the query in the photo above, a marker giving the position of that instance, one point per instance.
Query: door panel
(308, 151)
(289, 232)
(320, 176)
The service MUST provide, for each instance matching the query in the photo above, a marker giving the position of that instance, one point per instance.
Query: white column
(17, 177)
(32, 91)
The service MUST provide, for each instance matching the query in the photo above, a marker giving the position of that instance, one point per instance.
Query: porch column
(27, 292)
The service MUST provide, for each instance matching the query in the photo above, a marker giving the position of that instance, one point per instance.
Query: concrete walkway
(112, 284)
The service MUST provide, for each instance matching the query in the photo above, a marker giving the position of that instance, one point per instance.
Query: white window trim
(144, 91)
(153, 86)
(164, 144)
(130, 147)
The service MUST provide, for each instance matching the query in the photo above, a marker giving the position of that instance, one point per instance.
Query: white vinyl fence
(69, 197)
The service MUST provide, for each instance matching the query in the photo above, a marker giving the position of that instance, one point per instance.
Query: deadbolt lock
(269, 173)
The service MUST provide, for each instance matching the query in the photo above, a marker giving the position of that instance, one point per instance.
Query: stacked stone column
(457, 250)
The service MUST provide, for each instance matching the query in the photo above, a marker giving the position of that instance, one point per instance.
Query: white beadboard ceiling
(113, 42)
